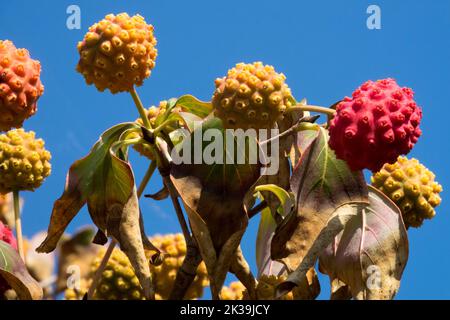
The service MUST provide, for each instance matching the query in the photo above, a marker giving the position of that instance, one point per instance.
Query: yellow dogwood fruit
(251, 96)
(24, 162)
(412, 187)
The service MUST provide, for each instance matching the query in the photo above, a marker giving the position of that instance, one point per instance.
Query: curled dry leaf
(213, 197)
(160, 195)
(370, 254)
(327, 194)
(106, 182)
(309, 287)
(321, 184)
(339, 290)
(14, 271)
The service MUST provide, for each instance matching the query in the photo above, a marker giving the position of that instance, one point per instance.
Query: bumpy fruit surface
(20, 85)
(7, 236)
(376, 125)
(174, 247)
(117, 53)
(152, 113)
(24, 162)
(251, 96)
(119, 281)
(412, 187)
(235, 291)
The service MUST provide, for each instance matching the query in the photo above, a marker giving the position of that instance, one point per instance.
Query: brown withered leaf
(213, 197)
(85, 181)
(309, 287)
(370, 254)
(321, 184)
(331, 228)
(123, 223)
(105, 181)
(339, 290)
(14, 271)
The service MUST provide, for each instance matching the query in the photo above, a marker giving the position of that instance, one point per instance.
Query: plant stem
(18, 224)
(101, 268)
(162, 156)
(99, 272)
(300, 107)
(146, 178)
(177, 206)
(140, 108)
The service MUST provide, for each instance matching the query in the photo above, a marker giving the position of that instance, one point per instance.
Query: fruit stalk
(312, 108)
(140, 108)
(18, 224)
(101, 268)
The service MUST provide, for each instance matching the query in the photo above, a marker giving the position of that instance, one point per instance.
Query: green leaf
(187, 118)
(14, 271)
(268, 225)
(266, 229)
(286, 199)
(191, 104)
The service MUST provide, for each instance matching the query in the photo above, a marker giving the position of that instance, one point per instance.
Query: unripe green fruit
(412, 187)
(251, 96)
(24, 162)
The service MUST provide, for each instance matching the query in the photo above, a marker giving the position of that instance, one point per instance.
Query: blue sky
(323, 47)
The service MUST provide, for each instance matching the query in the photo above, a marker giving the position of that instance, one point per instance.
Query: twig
(18, 224)
(292, 129)
(140, 108)
(146, 178)
(99, 272)
(319, 109)
(187, 272)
